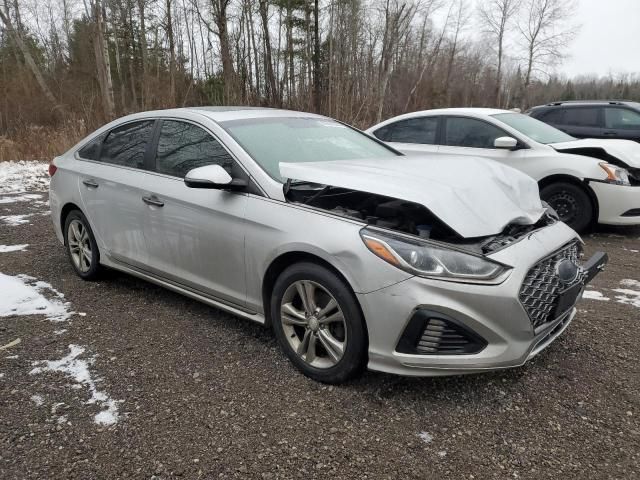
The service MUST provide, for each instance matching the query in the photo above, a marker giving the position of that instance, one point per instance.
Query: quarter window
(183, 146)
(582, 117)
(91, 150)
(621, 118)
(126, 145)
(469, 132)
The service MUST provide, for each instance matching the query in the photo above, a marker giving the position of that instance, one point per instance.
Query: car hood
(474, 197)
(626, 151)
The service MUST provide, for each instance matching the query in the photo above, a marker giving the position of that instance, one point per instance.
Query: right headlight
(428, 259)
(615, 174)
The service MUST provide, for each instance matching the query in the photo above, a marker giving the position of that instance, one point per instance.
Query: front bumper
(614, 201)
(492, 312)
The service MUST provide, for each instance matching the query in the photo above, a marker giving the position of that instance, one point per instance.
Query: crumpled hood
(626, 151)
(475, 197)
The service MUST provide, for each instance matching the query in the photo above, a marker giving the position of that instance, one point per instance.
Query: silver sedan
(356, 255)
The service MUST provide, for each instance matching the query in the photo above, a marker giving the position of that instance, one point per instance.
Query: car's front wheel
(81, 245)
(571, 203)
(318, 323)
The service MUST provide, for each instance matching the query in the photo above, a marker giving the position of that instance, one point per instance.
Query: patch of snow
(425, 437)
(22, 295)
(627, 282)
(11, 357)
(1, 375)
(27, 197)
(37, 399)
(61, 419)
(15, 220)
(78, 370)
(60, 332)
(442, 453)
(628, 297)
(13, 248)
(594, 295)
(23, 176)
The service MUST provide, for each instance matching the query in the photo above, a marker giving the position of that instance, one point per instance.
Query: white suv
(585, 181)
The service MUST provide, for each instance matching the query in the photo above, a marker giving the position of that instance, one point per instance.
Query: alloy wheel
(79, 245)
(313, 324)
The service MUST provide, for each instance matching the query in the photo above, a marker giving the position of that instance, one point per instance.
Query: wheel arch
(582, 184)
(64, 213)
(286, 259)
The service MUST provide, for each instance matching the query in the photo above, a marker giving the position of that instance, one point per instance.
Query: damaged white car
(356, 255)
(585, 181)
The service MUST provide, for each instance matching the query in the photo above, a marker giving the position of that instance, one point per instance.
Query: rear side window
(91, 151)
(183, 146)
(621, 118)
(582, 117)
(555, 116)
(469, 132)
(126, 145)
(413, 130)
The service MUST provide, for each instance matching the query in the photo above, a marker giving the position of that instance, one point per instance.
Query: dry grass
(35, 142)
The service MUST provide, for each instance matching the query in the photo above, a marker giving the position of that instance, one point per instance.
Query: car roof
(224, 113)
(471, 112)
(589, 102)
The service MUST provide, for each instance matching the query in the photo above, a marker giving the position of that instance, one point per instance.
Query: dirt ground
(202, 394)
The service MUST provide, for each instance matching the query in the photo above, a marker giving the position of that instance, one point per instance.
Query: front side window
(270, 141)
(621, 118)
(582, 117)
(469, 132)
(183, 146)
(413, 130)
(126, 145)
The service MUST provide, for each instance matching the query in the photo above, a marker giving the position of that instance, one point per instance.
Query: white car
(585, 181)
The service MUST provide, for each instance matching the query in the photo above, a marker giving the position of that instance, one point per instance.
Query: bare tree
(544, 34)
(495, 16)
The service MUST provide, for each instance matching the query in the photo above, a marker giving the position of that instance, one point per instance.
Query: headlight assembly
(615, 174)
(427, 259)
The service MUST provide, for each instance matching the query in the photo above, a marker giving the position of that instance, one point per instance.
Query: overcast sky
(608, 41)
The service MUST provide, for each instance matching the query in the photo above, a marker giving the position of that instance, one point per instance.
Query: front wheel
(571, 203)
(318, 323)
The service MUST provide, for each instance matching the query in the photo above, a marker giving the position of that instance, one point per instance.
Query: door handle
(91, 183)
(610, 133)
(153, 200)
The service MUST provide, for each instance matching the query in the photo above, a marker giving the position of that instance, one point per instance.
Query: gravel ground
(201, 394)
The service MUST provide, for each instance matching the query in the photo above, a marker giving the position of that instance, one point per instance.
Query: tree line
(67, 66)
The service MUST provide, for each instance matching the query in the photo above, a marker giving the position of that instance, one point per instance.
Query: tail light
(52, 169)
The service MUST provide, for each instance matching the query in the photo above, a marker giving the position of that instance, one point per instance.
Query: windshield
(534, 129)
(270, 141)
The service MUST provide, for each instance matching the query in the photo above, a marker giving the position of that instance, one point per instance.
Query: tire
(571, 203)
(81, 246)
(336, 338)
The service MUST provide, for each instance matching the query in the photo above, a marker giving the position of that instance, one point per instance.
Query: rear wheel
(318, 323)
(82, 249)
(571, 203)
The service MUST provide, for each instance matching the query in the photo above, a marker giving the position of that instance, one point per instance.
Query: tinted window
(621, 118)
(91, 150)
(468, 132)
(183, 146)
(552, 116)
(582, 117)
(415, 130)
(385, 132)
(126, 145)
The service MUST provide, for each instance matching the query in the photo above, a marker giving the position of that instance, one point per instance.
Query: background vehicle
(583, 180)
(433, 273)
(592, 119)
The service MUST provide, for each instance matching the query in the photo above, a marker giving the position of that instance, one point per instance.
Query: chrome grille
(540, 290)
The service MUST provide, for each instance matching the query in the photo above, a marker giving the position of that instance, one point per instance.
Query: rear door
(112, 187)
(622, 122)
(195, 236)
(413, 135)
(583, 122)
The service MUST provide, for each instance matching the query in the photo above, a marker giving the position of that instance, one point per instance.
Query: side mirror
(213, 176)
(506, 143)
